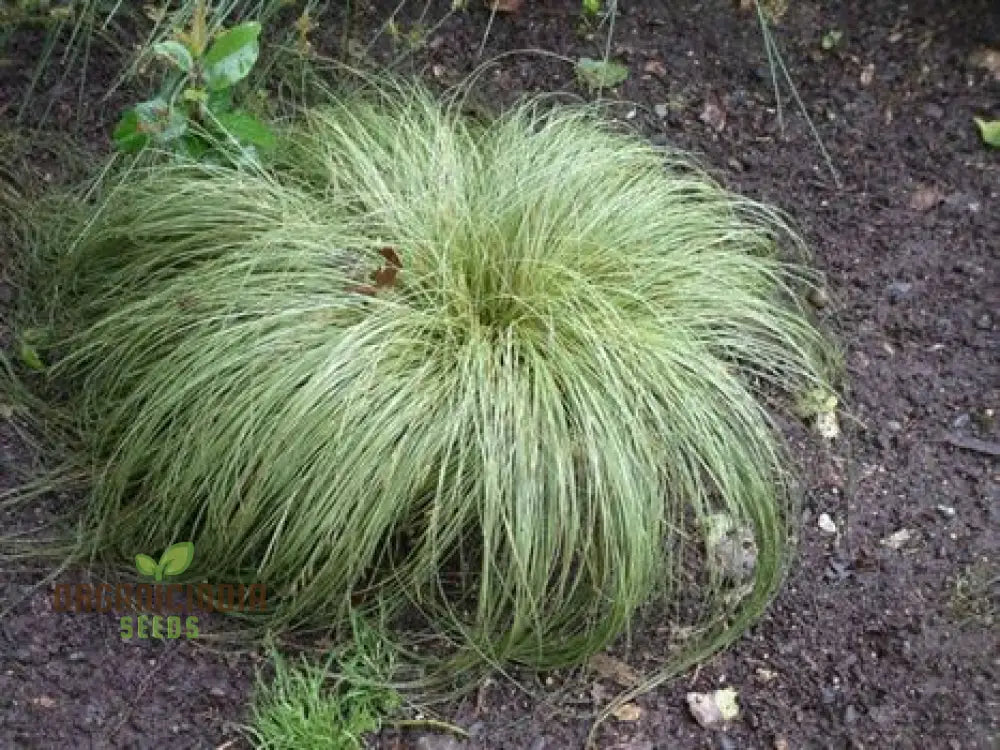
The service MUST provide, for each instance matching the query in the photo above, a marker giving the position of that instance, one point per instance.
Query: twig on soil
(771, 52)
(435, 724)
(486, 34)
(775, 59)
(850, 486)
(973, 444)
(612, 15)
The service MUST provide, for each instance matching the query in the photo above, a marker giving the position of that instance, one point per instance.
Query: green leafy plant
(526, 428)
(194, 111)
(831, 39)
(413, 39)
(174, 561)
(590, 9)
(989, 131)
(600, 74)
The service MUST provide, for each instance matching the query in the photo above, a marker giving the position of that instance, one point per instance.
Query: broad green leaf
(232, 55)
(176, 559)
(990, 131)
(160, 120)
(220, 101)
(30, 357)
(598, 74)
(246, 156)
(176, 53)
(192, 146)
(591, 7)
(127, 135)
(246, 128)
(145, 564)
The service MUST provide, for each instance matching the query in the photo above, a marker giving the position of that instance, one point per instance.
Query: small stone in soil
(437, 742)
(838, 570)
(656, 68)
(818, 298)
(965, 266)
(897, 539)
(934, 111)
(899, 290)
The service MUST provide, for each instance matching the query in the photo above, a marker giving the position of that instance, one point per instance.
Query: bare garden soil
(879, 639)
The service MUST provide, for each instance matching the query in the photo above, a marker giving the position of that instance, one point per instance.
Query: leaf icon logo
(174, 561)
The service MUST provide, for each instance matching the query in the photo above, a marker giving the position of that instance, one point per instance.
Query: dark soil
(867, 646)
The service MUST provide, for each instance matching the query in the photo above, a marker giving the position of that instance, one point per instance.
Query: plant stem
(442, 726)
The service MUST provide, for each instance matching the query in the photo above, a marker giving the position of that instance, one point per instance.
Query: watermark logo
(174, 561)
(154, 610)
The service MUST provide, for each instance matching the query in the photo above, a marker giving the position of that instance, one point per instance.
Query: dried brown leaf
(713, 115)
(925, 197)
(656, 68)
(384, 277)
(627, 712)
(391, 257)
(504, 6)
(614, 670)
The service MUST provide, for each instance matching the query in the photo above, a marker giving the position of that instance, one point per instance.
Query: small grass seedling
(332, 705)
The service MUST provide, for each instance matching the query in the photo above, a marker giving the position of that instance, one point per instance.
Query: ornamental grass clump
(507, 376)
